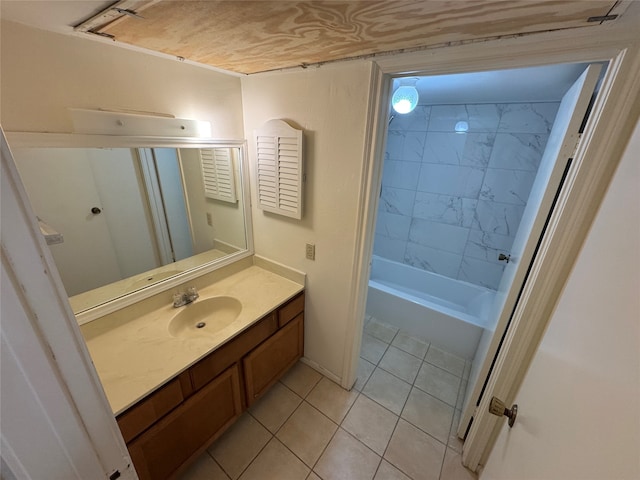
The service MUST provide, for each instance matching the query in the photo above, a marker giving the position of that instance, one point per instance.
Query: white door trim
(612, 123)
(156, 205)
(369, 185)
(47, 357)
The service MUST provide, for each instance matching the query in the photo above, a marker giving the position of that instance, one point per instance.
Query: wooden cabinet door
(291, 310)
(183, 434)
(232, 352)
(270, 360)
(146, 412)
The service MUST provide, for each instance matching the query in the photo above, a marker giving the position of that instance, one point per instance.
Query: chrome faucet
(182, 299)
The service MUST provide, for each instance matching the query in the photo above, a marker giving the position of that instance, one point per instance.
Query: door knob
(497, 407)
(95, 210)
(504, 258)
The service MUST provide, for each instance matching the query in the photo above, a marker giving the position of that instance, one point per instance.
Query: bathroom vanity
(186, 327)
(174, 391)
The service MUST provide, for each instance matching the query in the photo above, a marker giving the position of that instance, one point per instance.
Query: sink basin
(205, 316)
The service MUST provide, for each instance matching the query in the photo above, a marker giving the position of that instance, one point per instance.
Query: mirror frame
(73, 140)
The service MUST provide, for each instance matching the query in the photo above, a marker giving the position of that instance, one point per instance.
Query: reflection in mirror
(131, 217)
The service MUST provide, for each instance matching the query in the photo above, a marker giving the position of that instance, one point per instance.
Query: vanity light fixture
(127, 123)
(405, 98)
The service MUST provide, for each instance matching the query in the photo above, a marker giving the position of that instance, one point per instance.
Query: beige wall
(330, 104)
(50, 72)
(227, 218)
(579, 416)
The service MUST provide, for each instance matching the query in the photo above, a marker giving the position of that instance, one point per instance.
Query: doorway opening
(466, 182)
(166, 198)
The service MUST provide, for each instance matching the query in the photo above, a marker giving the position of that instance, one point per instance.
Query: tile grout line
(399, 416)
(325, 447)
(394, 431)
(334, 434)
(344, 417)
(439, 399)
(443, 369)
(400, 378)
(360, 393)
(256, 456)
(304, 400)
(404, 351)
(288, 417)
(356, 438)
(413, 383)
(307, 394)
(216, 462)
(273, 435)
(423, 358)
(410, 353)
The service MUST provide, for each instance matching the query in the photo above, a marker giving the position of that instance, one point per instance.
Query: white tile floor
(397, 423)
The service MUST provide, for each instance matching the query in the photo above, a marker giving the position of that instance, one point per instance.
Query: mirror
(124, 219)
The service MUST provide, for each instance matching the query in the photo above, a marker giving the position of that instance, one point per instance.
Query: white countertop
(134, 356)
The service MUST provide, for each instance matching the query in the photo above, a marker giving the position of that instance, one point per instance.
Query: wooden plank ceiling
(256, 36)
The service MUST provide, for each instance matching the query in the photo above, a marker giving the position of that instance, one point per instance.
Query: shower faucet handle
(504, 258)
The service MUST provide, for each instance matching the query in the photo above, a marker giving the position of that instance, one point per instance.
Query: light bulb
(405, 99)
(462, 127)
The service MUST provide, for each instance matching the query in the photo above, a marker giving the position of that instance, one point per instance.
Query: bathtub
(449, 313)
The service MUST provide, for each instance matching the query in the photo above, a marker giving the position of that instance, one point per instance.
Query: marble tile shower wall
(451, 202)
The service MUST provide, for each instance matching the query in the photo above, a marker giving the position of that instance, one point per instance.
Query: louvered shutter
(279, 168)
(217, 174)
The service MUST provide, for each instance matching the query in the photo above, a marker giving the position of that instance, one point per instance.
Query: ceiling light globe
(405, 99)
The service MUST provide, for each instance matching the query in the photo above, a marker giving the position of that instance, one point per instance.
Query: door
(158, 218)
(63, 191)
(165, 192)
(173, 199)
(124, 207)
(56, 420)
(555, 160)
(589, 354)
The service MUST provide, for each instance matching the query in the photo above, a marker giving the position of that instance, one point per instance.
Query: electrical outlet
(209, 219)
(311, 251)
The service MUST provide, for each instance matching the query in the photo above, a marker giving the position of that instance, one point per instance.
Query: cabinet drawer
(184, 434)
(268, 362)
(291, 310)
(209, 367)
(144, 414)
